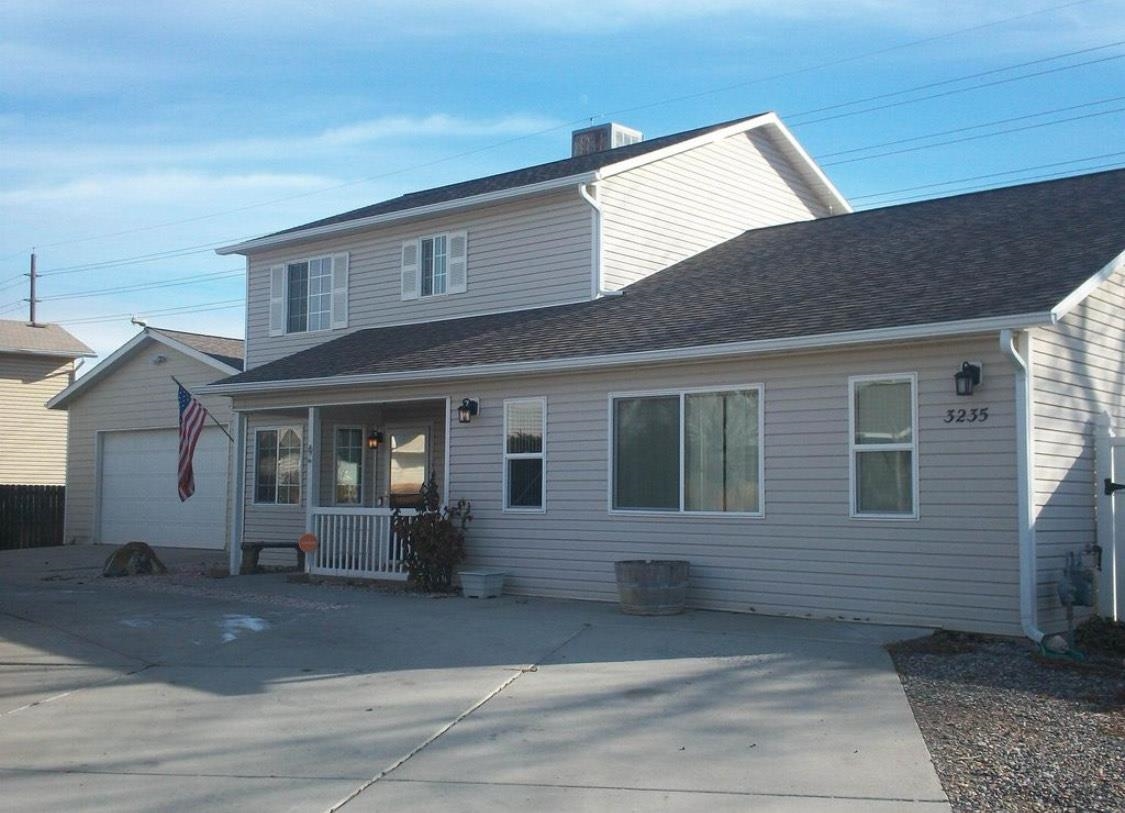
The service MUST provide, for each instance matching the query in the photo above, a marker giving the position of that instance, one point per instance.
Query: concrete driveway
(187, 693)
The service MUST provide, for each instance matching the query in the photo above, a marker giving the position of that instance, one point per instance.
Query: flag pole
(209, 415)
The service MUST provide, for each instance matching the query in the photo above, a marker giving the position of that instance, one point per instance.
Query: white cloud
(73, 153)
(161, 187)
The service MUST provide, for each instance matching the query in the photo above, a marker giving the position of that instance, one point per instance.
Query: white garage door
(139, 499)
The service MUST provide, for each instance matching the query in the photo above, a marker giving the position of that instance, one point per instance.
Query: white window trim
(682, 512)
(286, 265)
(422, 271)
(362, 462)
(542, 509)
(300, 469)
(911, 447)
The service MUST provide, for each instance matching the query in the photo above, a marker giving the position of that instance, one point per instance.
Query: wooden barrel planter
(652, 586)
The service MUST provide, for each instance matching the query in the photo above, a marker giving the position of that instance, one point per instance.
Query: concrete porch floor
(253, 693)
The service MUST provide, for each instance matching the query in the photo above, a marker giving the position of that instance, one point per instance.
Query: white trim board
(122, 353)
(1079, 294)
(582, 363)
(805, 164)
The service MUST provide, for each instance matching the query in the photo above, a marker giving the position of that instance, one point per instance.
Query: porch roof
(1007, 257)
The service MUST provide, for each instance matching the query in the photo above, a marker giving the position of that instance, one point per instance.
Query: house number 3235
(974, 415)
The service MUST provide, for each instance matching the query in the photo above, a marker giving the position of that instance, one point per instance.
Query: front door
(409, 465)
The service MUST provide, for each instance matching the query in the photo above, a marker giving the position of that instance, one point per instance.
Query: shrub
(434, 539)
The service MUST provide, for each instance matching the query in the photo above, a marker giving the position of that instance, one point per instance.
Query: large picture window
(277, 466)
(692, 451)
(525, 424)
(884, 446)
(348, 486)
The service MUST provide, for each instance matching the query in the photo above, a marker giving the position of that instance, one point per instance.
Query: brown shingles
(1003, 252)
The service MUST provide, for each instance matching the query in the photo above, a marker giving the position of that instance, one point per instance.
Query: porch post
(238, 492)
(448, 441)
(312, 496)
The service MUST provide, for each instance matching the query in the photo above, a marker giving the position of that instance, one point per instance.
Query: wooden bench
(252, 550)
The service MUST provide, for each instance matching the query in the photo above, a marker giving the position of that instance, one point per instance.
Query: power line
(842, 60)
(194, 279)
(974, 138)
(656, 103)
(202, 307)
(987, 175)
(955, 79)
(143, 258)
(957, 91)
(966, 128)
(986, 187)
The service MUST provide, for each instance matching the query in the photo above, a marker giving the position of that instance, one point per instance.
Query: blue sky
(119, 120)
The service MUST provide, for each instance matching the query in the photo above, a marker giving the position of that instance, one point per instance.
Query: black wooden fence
(31, 516)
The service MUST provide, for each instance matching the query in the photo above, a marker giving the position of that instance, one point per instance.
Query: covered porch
(340, 472)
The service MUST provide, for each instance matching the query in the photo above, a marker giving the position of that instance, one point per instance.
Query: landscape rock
(133, 559)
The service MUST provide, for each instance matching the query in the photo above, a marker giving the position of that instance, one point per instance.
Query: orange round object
(307, 543)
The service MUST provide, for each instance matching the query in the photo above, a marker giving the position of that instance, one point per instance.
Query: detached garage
(123, 447)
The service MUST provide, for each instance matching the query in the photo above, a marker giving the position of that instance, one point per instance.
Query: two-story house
(688, 347)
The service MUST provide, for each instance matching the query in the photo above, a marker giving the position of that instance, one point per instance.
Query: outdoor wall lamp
(469, 407)
(967, 377)
(374, 439)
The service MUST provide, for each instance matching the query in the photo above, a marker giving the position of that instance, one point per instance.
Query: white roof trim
(418, 211)
(837, 202)
(62, 354)
(1079, 294)
(120, 354)
(716, 351)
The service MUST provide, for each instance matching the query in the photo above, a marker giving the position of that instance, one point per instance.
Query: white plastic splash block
(233, 625)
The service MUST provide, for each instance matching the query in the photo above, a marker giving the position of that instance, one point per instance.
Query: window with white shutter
(435, 265)
(309, 295)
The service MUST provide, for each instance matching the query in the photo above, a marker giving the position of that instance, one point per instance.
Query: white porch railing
(356, 542)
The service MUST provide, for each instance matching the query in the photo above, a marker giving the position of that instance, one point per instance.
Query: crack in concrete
(531, 667)
(770, 794)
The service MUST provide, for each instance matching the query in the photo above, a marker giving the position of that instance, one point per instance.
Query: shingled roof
(221, 348)
(40, 340)
(1012, 252)
(526, 176)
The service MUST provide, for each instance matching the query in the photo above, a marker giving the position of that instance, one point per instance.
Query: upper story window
(309, 299)
(309, 294)
(434, 265)
(433, 269)
(884, 446)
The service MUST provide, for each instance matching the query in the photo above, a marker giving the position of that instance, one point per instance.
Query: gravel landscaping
(1011, 731)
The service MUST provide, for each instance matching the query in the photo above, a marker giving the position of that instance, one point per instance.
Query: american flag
(192, 416)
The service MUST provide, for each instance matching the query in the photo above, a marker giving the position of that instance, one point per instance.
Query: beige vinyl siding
(32, 437)
(523, 254)
(1079, 367)
(136, 395)
(664, 212)
(957, 565)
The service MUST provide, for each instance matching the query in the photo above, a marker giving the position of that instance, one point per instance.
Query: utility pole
(32, 300)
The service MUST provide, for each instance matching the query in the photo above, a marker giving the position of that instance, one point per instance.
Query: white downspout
(1025, 465)
(597, 251)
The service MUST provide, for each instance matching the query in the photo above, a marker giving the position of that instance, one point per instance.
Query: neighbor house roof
(230, 352)
(528, 180)
(225, 355)
(39, 340)
(1009, 257)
